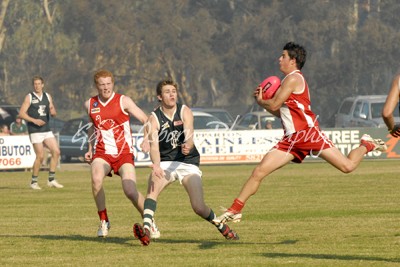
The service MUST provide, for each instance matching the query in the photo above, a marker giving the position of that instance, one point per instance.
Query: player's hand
(157, 171)
(88, 157)
(395, 132)
(186, 149)
(145, 145)
(258, 96)
(257, 92)
(39, 122)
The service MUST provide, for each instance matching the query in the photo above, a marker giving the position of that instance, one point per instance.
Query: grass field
(303, 215)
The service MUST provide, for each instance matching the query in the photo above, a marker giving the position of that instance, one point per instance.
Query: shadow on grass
(207, 244)
(131, 241)
(329, 257)
(203, 244)
(115, 240)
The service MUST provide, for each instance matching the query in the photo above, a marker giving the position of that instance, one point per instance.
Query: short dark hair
(166, 81)
(296, 51)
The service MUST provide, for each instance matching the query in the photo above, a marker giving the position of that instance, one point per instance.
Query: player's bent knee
(97, 183)
(131, 194)
(348, 168)
(258, 174)
(39, 158)
(57, 153)
(199, 210)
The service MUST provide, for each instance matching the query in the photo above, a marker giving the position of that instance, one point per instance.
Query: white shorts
(39, 137)
(178, 170)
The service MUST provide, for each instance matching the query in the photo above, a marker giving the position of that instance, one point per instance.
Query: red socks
(368, 145)
(103, 215)
(237, 205)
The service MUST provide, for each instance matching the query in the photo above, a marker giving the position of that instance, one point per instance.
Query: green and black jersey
(39, 109)
(171, 136)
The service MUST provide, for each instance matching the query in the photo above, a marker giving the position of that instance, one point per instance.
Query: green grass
(302, 215)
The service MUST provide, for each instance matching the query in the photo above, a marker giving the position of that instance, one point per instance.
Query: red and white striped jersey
(296, 111)
(111, 124)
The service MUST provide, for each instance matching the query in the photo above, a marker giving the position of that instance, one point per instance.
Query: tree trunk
(3, 30)
(47, 11)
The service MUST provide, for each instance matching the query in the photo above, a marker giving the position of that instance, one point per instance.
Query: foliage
(217, 51)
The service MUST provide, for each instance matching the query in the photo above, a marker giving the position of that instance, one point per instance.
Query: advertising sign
(217, 147)
(16, 152)
(224, 147)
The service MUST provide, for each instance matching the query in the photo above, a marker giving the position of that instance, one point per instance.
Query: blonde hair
(37, 78)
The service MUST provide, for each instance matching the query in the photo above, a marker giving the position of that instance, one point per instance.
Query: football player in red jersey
(302, 135)
(111, 146)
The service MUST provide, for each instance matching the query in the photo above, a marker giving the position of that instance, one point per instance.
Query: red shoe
(230, 234)
(143, 234)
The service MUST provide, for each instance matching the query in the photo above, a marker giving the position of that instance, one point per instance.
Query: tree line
(217, 50)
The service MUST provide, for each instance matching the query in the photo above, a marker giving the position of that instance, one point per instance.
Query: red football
(269, 87)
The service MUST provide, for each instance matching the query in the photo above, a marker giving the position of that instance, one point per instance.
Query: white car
(362, 111)
(257, 120)
(206, 121)
(220, 113)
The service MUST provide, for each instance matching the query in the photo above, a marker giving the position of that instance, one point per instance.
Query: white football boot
(103, 229)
